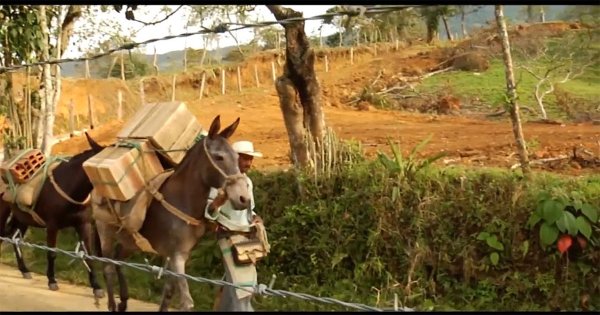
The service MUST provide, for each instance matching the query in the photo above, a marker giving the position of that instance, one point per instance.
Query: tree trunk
(512, 91)
(299, 71)
(530, 14)
(46, 85)
(463, 22)
(448, 33)
(542, 14)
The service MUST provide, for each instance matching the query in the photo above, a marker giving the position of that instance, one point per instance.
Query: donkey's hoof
(98, 293)
(53, 286)
(123, 306)
(27, 275)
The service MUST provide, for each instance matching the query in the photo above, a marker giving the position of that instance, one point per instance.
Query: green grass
(489, 87)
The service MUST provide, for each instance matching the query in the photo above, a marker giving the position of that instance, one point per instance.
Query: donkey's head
(219, 164)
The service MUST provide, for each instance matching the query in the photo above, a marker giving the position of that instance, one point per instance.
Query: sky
(176, 25)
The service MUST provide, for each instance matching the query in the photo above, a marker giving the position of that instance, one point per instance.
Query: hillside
(467, 138)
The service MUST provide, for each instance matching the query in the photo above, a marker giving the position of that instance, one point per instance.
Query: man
(236, 224)
(226, 216)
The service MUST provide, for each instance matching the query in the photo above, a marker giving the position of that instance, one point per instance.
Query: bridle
(229, 179)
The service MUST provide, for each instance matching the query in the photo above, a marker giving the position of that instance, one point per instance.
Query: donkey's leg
(121, 254)
(51, 237)
(13, 225)
(106, 236)
(85, 231)
(178, 266)
(168, 291)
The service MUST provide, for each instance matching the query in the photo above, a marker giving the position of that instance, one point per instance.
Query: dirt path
(19, 294)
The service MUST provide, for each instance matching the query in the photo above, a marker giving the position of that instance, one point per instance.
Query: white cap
(245, 147)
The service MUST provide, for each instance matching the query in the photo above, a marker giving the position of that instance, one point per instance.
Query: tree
(583, 13)
(512, 91)
(557, 62)
(465, 10)
(33, 33)
(432, 15)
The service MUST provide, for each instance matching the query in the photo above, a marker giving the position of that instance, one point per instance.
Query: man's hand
(256, 219)
(219, 200)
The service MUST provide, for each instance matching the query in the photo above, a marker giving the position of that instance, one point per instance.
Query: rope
(260, 289)
(221, 28)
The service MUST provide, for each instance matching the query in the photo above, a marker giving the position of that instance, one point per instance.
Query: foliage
(135, 64)
(584, 13)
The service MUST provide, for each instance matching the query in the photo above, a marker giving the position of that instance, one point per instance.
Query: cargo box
(23, 166)
(168, 126)
(118, 173)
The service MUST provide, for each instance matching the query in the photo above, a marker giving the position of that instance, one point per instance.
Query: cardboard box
(118, 173)
(168, 126)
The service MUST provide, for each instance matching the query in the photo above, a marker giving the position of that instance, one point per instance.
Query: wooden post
(239, 80)
(202, 84)
(256, 76)
(90, 112)
(341, 39)
(71, 119)
(351, 55)
(120, 105)
(326, 64)
(122, 67)
(397, 45)
(155, 63)
(142, 96)
(112, 65)
(273, 71)
(320, 41)
(173, 88)
(87, 69)
(185, 60)
(222, 81)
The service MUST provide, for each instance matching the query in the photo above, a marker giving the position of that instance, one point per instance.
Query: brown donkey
(62, 203)
(211, 162)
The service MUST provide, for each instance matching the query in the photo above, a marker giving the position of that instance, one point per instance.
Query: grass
(489, 87)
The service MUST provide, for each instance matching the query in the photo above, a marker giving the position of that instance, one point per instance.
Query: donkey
(58, 210)
(211, 162)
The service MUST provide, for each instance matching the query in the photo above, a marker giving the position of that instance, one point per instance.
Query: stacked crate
(120, 172)
(23, 166)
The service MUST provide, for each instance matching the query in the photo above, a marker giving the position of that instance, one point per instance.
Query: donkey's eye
(219, 157)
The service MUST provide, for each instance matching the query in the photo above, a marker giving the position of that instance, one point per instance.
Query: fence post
(71, 119)
(256, 76)
(351, 55)
(122, 67)
(326, 64)
(87, 69)
(120, 106)
(222, 81)
(273, 71)
(142, 96)
(90, 112)
(239, 79)
(202, 84)
(173, 88)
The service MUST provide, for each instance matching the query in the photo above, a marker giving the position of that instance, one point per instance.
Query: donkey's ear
(227, 132)
(215, 126)
(93, 144)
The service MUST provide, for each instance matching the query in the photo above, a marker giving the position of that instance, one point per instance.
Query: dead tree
(512, 92)
(298, 89)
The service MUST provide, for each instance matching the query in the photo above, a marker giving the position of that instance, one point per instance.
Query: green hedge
(359, 236)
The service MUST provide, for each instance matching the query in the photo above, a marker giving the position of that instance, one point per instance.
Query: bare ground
(19, 294)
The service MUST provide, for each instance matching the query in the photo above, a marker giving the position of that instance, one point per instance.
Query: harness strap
(176, 212)
(64, 195)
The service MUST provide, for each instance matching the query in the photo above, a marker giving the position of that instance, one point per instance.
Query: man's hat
(245, 147)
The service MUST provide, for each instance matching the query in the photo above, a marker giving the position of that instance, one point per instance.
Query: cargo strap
(138, 238)
(64, 195)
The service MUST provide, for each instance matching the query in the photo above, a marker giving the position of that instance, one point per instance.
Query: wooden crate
(116, 174)
(169, 126)
(23, 166)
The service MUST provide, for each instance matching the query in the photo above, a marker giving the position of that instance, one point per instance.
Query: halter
(229, 179)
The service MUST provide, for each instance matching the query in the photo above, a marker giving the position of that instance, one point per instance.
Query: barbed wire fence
(259, 289)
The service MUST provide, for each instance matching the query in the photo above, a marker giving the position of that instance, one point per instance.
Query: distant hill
(173, 61)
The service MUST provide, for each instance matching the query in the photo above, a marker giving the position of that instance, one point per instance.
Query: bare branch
(160, 21)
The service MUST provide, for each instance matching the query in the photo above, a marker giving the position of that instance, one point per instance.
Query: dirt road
(19, 294)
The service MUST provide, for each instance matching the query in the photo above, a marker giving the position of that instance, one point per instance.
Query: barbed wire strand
(260, 289)
(221, 28)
